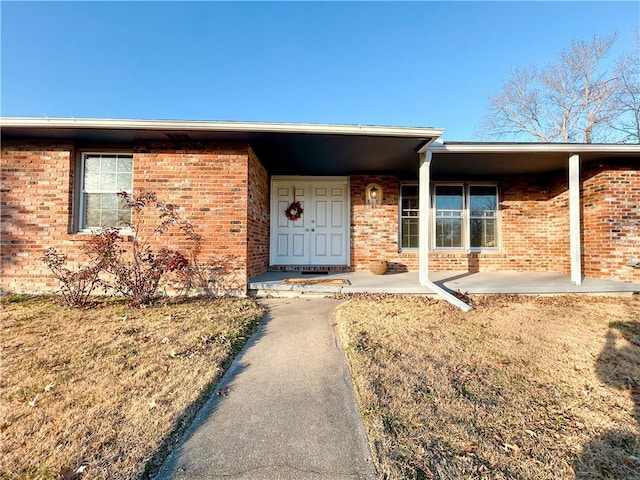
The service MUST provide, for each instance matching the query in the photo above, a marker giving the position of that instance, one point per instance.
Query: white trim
(424, 206)
(126, 124)
(574, 219)
(534, 148)
(466, 218)
(400, 217)
(311, 178)
(81, 228)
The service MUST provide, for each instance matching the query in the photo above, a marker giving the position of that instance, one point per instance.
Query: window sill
(122, 232)
(462, 252)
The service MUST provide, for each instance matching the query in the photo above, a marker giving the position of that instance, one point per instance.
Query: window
(448, 205)
(103, 176)
(466, 216)
(409, 216)
(483, 207)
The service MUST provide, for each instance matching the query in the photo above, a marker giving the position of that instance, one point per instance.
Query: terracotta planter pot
(378, 267)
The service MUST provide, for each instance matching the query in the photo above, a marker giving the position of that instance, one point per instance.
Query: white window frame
(400, 217)
(466, 217)
(80, 190)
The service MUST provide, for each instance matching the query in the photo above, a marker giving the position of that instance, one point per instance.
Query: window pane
(108, 181)
(409, 212)
(92, 164)
(91, 181)
(93, 201)
(124, 182)
(124, 164)
(410, 232)
(483, 232)
(109, 200)
(449, 232)
(448, 197)
(108, 164)
(108, 218)
(92, 210)
(124, 218)
(410, 200)
(483, 201)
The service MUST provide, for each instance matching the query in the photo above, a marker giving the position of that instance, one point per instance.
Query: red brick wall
(36, 186)
(374, 229)
(534, 229)
(257, 218)
(611, 221)
(210, 182)
(534, 219)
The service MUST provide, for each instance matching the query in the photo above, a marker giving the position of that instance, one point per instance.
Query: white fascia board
(568, 148)
(94, 123)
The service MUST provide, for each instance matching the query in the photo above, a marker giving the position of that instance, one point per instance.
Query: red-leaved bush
(133, 269)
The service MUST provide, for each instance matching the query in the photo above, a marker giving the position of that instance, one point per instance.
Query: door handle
(313, 229)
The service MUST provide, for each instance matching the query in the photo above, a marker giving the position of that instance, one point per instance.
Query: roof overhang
(491, 159)
(323, 149)
(284, 148)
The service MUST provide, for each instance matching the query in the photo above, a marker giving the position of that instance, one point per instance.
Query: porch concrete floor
(466, 282)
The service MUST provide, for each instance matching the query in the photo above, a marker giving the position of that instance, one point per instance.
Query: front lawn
(103, 393)
(520, 388)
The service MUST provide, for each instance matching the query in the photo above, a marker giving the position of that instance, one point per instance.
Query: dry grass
(522, 387)
(103, 393)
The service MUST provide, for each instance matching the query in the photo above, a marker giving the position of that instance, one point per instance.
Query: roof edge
(506, 147)
(198, 125)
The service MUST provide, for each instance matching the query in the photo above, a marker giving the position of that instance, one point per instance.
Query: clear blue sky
(415, 64)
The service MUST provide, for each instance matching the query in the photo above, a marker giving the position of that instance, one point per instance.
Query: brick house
(393, 193)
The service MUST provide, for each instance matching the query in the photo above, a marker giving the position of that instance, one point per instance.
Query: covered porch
(475, 283)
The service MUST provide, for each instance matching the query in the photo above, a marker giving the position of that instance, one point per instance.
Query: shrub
(77, 284)
(137, 269)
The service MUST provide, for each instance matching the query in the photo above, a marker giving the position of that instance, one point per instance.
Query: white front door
(321, 235)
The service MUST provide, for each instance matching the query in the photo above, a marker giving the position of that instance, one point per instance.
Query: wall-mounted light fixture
(374, 194)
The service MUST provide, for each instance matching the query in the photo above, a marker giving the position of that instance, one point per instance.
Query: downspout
(424, 207)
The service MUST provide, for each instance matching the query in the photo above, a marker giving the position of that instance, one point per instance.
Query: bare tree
(573, 99)
(628, 94)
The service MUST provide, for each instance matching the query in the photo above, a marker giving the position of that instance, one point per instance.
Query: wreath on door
(295, 211)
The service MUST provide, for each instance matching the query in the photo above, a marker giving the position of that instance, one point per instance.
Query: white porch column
(574, 219)
(424, 205)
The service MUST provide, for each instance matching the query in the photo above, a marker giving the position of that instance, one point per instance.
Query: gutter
(328, 129)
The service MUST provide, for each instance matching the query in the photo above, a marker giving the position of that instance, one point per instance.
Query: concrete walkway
(284, 410)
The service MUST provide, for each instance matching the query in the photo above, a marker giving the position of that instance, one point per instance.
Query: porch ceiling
(451, 160)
